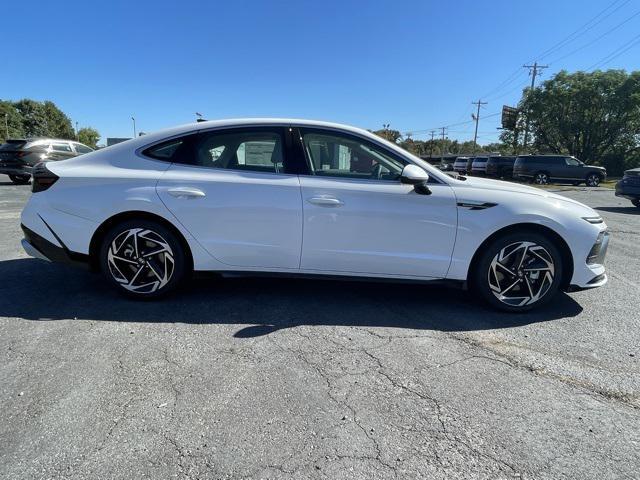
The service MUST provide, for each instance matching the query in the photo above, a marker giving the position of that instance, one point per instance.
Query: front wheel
(20, 179)
(518, 272)
(143, 259)
(593, 180)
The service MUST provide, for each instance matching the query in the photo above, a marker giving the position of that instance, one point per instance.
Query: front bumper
(630, 192)
(590, 272)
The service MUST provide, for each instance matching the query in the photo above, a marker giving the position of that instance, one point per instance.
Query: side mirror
(413, 175)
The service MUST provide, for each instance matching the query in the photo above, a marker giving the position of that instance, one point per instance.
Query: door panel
(242, 218)
(378, 227)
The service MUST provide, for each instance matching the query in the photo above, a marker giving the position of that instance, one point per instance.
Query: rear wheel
(541, 178)
(593, 180)
(636, 202)
(517, 272)
(20, 179)
(143, 259)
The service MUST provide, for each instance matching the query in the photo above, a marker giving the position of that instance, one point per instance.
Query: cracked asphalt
(291, 379)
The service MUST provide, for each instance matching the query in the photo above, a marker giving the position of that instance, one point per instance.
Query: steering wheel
(376, 173)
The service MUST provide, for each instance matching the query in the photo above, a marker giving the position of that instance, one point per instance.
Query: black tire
(593, 180)
(636, 202)
(485, 283)
(541, 178)
(20, 179)
(141, 273)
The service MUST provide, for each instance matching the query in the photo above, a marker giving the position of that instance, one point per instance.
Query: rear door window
(251, 149)
(61, 147)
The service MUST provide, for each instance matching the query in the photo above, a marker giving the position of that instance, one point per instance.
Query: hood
(489, 185)
(633, 172)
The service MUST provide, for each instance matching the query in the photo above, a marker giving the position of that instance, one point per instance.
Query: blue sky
(414, 64)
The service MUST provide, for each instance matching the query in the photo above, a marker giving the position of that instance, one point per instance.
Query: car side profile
(299, 197)
(544, 169)
(460, 165)
(479, 166)
(499, 166)
(19, 156)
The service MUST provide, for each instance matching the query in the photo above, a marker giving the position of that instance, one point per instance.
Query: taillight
(43, 178)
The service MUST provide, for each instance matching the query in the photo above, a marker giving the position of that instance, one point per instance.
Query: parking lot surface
(263, 378)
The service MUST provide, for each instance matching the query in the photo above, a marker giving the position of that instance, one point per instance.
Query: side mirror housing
(413, 175)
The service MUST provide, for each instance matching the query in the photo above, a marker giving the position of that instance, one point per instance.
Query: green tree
(388, 134)
(58, 124)
(89, 136)
(589, 115)
(10, 120)
(33, 117)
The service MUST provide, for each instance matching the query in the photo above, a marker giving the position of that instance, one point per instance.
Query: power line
(596, 39)
(583, 29)
(616, 53)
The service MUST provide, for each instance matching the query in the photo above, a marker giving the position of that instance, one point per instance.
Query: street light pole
(134, 127)
(77, 137)
(6, 124)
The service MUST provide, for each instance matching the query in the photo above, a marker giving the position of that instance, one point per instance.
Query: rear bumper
(39, 247)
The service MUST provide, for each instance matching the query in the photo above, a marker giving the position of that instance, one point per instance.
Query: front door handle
(186, 192)
(326, 201)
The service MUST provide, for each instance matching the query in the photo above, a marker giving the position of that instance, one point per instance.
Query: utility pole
(433, 132)
(77, 138)
(533, 71)
(442, 147)
(479, 103)
(134, 126)
(6, 123)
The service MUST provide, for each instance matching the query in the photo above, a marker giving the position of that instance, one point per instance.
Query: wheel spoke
(136, 270)
(526, 270)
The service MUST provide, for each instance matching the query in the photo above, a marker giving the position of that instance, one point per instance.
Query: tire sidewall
(20, 179)
(179, 257)
(479, 277)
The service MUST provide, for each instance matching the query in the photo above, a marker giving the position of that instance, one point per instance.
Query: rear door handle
(186, 192)
(326, 201)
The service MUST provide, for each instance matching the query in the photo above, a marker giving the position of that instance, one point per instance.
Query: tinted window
(164, 151)
(336, 155)
(61, 147)
(572, 162)
(82, 149)
(258, 150)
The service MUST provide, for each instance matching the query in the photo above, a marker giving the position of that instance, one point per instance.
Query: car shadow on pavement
(631, 209)
(37, 290)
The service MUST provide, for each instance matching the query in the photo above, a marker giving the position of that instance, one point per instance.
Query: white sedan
(297, 197)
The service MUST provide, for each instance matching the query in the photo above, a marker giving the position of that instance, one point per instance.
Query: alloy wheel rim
(521, 274)
(593, 180)
(542, 179)
(141, 260)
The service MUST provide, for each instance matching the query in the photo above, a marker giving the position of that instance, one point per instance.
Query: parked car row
(540, 169)
(19, 156)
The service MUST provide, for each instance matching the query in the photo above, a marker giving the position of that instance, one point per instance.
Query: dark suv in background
(499, 166)
(543, 169)
(18, 156)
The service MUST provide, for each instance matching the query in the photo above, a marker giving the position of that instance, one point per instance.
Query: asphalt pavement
(292, 379)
